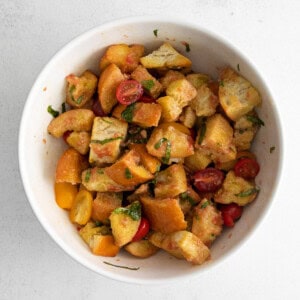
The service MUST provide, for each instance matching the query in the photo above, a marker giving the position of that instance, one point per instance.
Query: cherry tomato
(97, 109)
(129, 91)
(142, 231)
(208, 180)
(147, 99)
(231, 213)
(66, 135)
(247, 168)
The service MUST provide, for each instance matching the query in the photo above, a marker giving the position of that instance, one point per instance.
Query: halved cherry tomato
(247, 168)
(129, 91)
(142, 231)
(97, 109)
(208, 180)
(231, 213)
(147, 99)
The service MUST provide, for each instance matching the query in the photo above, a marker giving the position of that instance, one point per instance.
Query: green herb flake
(122, 267)
(128, 174)
(127, 114)
(238, 67)
(205, 204)
(255, 120)
(107, 121)
(272, 149)
(148, 84)
(72, 89)
(79, 99)
(186, 197)
(52, 111)
(160, 142)
(202, 133)
(165, 159)
(105, 141)
(248, 192)
(87, 175)
(155, 31)
(134, 211)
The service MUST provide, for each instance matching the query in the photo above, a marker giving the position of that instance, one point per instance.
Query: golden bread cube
(128, 171)
(170, 182)
(164, 215)
(151, 85)
(170, 109)
(198, 161)
(126, 57)
(170, 76)
(165, 57)
(141, 249)
(217, 139)
(80, 141)
(81, 89)
(109, 80)
(197, 79)
(90, 229)
(96, 179)
(69, 167)
(237, 95)
(125, 222)
(236, 189)
(107, 135)
(207, 222)
(72, 120)
(104, 204)
(183, 245)
(188, 117)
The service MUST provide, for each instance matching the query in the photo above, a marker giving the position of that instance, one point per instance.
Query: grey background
(32, 266)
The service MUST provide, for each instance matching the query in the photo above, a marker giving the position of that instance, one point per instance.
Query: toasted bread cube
(141, 249)
(205, 103)
(197, 79)
(71, 120)
(236, 189)
(170, 109)
(182, 244)
(126, 57)
(107, 135)
(188, 117)
(164, 215)
(165, 57)
(90, 229)
(69, 167)
(237, 95)
(109, 80)
(81, 89)
(151, 163)
(167, 142)
(125, 222)
(104, 204)
(217, 139)
(151, 85)
(182, 91)
(169, 77)
(142, 114)
(128, 170)
(80, 141)
(170, 182)
(207, 222)
(188, 199)
(96, 179)
(104, 245)
(198, 161)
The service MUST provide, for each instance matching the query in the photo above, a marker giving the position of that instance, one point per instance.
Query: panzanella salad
(158, 155)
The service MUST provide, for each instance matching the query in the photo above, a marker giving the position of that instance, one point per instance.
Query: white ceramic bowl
(38, 152)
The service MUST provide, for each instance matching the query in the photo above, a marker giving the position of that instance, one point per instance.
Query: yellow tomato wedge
(104, 245)
(65, 194)
(81, 209)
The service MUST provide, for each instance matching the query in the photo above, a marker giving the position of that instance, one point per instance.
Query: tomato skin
(246, 168)
(146, 99)
(142, 230)
(129, 91)
(231, 213)
(97, 109)
(208, 180)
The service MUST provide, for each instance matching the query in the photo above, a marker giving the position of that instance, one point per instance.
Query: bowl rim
(158, 19)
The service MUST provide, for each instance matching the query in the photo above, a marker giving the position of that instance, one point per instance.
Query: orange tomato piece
(104, 245)
(65, 194)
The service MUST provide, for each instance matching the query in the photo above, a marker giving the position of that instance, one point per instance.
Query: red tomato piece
(231, 213)
(208, 180)
(142, 231)
(147, 99)
(247, 168)
(129, 91)
(97, 109)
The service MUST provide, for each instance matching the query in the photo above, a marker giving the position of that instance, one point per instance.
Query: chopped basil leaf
(128, 174)
(202, 133)
(87, 175)
(106, 121)
(155, 31)
(63, 107)
(79, 99)
(238, 67)
(167, 156)
(248, 192)
(72, 89)
(134, 211)
(255, 120)
(159, 143)
(221, 83)
(186, 197)
(127, 114)
(272, 149)
(52, 112)
(105, 141)
(123, 267)
(148, 84)
(205, 204)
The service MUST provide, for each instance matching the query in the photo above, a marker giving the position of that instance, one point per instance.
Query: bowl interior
(38, 152)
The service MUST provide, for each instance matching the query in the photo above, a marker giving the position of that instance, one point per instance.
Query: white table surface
(32, 266)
